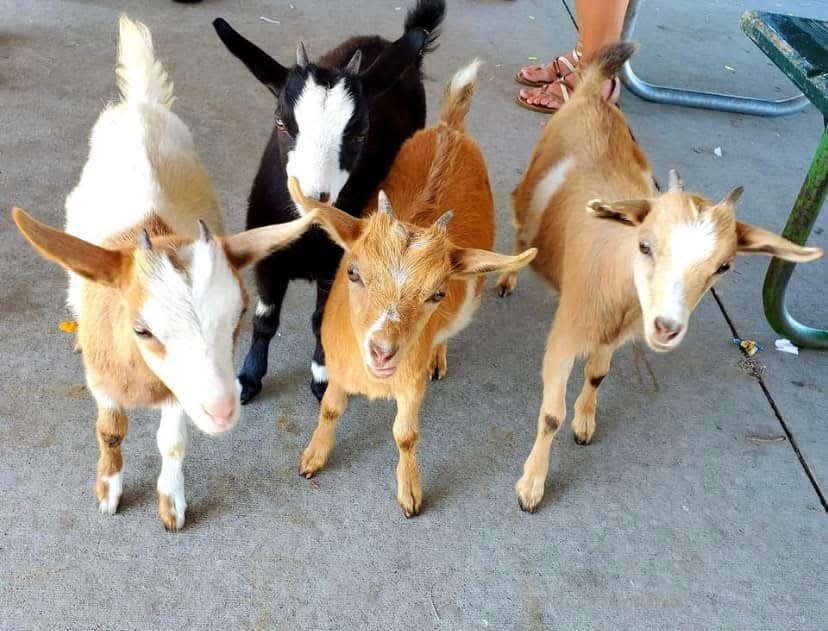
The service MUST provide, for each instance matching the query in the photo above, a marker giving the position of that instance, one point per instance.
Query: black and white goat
(338, 129)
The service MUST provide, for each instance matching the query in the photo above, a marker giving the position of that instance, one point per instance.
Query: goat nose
(324, 197)
(382, 352)
(221, 410)
(667, 328)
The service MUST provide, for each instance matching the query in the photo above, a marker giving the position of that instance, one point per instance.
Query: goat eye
(437, 296)
(142, 331)
(645, 248)
(361, 138)
(353, 275)
(723, 268)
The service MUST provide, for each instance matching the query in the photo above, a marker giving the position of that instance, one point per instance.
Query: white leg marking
(320, 373)
(172, 443)
(114, 484)
(263, 310)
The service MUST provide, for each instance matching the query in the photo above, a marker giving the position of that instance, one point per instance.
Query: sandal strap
(559, 61)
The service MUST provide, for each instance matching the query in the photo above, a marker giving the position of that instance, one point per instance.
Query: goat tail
(458, 95)
(141, 77)
(426, 15)
(607, 63)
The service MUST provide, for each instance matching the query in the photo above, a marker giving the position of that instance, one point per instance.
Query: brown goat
(409, 280)
(624, 269)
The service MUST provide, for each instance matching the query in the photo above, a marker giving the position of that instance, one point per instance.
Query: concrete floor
(691, 510)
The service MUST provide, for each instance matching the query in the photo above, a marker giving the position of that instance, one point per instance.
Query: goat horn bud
(204, 232)
(353, 65)
(444, 220)
(676, 183)
(384, 204)
(144, 242)
(301, 55)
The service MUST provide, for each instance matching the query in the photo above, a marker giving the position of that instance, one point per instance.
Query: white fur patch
(544, 191)
(321, 117)
(389, 314)
(400, 276)
(320, 373)
(109, 504)
(466, 75)
(464, 314)
(690, 243)
(102, 400)
(134, 148)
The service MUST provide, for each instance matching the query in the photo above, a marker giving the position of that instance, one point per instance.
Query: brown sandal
(561, 68)
(615, 93)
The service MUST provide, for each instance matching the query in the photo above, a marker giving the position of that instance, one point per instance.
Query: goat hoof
(437, 374)
(506, 284)
(583, 440)
(249, 388)
(411, 505)
(108, 493)
(318, 388)
(171, 512)
(313, 461)
(525, 507)
(530, 494)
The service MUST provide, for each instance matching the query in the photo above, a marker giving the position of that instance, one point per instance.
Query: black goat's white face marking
(321, 158)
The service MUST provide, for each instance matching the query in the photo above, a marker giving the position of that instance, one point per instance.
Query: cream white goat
(157, 297)
(624, 269)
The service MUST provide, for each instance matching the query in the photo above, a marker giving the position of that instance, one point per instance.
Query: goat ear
(754, 240)
(467, 262)
(392, 62)
(343, 228)
(266, 69)
(93, 262)
(631, 212)
(245, 248)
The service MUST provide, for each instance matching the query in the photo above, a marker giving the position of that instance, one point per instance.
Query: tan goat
(624, 269)
(409, 280)
(158, 299)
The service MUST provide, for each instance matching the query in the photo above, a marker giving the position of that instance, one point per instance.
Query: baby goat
(624, 269)
(157, 297)
(338, 128)
(407, 282)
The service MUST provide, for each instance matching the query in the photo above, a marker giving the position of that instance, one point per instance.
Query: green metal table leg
(797, 229)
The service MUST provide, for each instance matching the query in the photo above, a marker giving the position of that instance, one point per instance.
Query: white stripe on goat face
(194, 315)
(321, 115)
(689, 244)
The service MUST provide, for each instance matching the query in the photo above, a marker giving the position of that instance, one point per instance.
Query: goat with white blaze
(339, 124)
(155, 289)
(627, 261)
(411, 278)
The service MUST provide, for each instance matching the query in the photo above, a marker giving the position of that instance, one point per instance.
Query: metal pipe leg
(798, 227)
(703, 100)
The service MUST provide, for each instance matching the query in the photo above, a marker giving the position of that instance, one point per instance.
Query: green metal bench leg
(797, 229)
